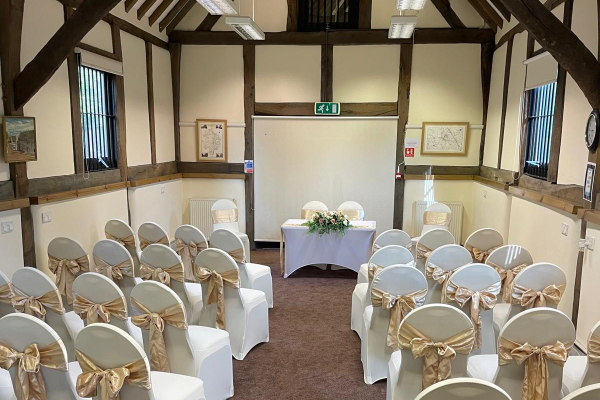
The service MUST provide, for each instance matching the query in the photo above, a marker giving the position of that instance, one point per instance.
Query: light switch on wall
(6, 227)
(46, 217)
(564, 229)
(162, 190)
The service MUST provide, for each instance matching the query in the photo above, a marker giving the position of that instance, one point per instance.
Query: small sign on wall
(248, 166)
(412, 143)
(409, 152)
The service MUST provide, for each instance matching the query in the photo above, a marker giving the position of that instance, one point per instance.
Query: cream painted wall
(163, 105)
(11, 244)
(589, 312)
(100, 36)
(491, 209)
(193, 18)
(494, 116)
(288, 73)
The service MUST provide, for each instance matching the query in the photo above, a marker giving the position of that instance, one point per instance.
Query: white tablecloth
(302, 249)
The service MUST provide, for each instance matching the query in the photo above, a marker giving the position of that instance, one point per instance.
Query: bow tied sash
(66, 271)
(36, 306)
(110, 380)
(6, 294)
(216, 293)
(478, 254)
(29, 383)
(593, 349)
(188, 253)
(529, 298)
(423, 251)
(508, 277)
(113, 272)
(224, 216)
(147, 242)
(438, 274)
(127, 241)
(94, 312)
(373, 269)
(162, 275)
(238, 255)
(535, 382)
(437, 356)
(378, 247)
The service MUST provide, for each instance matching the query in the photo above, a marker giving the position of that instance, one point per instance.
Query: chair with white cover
(388, 238)
(105, 352)
(539, 285)
(175, 347)
(436, 216)
(361, 298)
(244, 313)
(538, 341)
(162, 264)
(428, 242)
(475, 288)
(119, 231)
(310, 208)
(508, 261)
(225, 216)
(434, 341)
(32, 349)
(395, 291)
(582, 371)
(35, 294)
(152, 233)
(591, 392)
(483, 242)
(66, 260)
(440, 266)
(463, 389)
(252, 276)
(189, 241)
(353, 210)
(6, 295)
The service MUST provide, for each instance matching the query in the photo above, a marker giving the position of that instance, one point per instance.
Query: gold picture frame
(211, 140)
(20, 142)
(445, 138)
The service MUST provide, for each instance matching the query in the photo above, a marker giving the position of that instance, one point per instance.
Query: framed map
(211, 140)
(445, 138)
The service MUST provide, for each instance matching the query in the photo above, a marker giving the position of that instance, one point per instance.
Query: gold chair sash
(438, 274)
(529, 298)
(93, 312)
(216, 293)
(373, 269)
(399, 306)
(162, 275)
(127, 241)
(155, 323)
(437, 356)
(66, 271)
(593, 349)
(188, 253)
(36, 306)
(6, 294)
(113, 272)
(436, 218)
(480, 300)
(353, 215)
(478, 254)
(535, 382)
(110, 380)
(238, 255)
(29, 383)
(224, 216)
(308, 213)
(146, 242)
(507, 276)
(423, 251)
(378, 247)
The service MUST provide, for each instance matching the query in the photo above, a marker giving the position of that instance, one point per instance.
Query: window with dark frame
(320, 15)
(539, 119)
(98, 119)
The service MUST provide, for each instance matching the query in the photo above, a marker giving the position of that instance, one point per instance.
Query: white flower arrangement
(328, 221)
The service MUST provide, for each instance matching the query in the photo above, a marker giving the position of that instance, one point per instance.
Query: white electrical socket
(162, 190)
(591, 242)
(46, 217)
(7, 227)
(564, 229)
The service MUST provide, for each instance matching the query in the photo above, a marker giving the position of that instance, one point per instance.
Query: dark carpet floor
(312, 353)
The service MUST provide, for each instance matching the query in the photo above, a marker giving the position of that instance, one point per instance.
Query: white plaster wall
(100, 36)
(11, 244)
(491, 209)
(163, 105)
(589, 312)
(494, 116)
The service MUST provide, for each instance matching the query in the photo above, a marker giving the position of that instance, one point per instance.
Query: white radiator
(455, 223)
(200, 215)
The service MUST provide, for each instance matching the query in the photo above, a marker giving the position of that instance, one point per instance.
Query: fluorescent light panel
(402, 26)
(219, 7)
(246, 28)
(410, 4)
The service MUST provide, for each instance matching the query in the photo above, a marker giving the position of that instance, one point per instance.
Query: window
(539, 114)
(98, 119)
(318, 15)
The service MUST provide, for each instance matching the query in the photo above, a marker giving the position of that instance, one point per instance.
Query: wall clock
(592, 130)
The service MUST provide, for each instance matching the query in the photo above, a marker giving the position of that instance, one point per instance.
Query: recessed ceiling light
(402, 26)
(220, 7)
(246, 28)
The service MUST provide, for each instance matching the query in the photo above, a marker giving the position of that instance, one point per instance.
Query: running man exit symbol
(327, 108)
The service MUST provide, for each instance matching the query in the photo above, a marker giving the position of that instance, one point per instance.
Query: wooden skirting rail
(13, 204)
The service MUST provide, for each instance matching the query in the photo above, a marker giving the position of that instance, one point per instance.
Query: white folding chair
(428, 242)
(253, 276)
(591, 392)
(196, 351)
(225, 216)
(309, 209)
(246, 310)
(120, 231)
(5, 296)
(361, 298)
(475, 289)
(109, 348)
(543, 335)
(189, 241)
(388, 238)
(440, 266)
(580, 371)
(407, 287)
(18, 334)
(436, 216)
(482, 242)
(440, 326)
(66, 260)
(353, 210)
(166, 267)
(463, 388)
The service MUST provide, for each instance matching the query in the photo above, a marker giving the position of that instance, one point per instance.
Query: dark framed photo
(588, 187)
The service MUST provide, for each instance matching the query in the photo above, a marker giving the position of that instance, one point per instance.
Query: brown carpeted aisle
(312, 353)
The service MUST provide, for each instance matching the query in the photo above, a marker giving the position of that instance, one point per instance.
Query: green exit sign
(327, 108)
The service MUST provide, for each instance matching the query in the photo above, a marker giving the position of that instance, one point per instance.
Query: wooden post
(292, 19)
(326, 72)
(175, 52)
(151, 117)
(365, 9)
(121, 118)
(249, 102)
(487, 58)
(507, 65)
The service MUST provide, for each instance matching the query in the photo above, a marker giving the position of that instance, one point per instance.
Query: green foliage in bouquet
(328, 221)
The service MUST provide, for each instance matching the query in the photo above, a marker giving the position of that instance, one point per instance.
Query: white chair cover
(152, 233)
(431, 220)
(482, 242)
(580, 371)
(309, 208)
(463, 388)
(387, 238)
(591, 392)
(440, 265)
(118, 230)
(5, 295)
(428, 242)
(67, 249)
(354, 210)
(509, 260)
(189, 241)
(232, 225)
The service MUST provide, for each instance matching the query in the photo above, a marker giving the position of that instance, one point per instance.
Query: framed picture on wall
(589, 181)
(20, 143)
(211, 140)
(445, 138)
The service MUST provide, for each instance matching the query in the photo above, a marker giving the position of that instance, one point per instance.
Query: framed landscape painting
(445, 138)
(211, 140)
(19, 139)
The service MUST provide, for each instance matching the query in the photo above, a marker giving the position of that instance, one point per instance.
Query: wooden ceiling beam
(208, 22)
(159, 11)
(501, 9)
(487, 12)
(129, 4)
(176, 14)
(448, 13)
(146, 5)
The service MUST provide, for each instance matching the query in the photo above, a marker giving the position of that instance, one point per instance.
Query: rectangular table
(302, 249)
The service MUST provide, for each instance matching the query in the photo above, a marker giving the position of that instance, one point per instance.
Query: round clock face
(591, 132)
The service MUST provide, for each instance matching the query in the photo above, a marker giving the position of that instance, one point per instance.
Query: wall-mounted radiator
(455, 224)
(200, 215)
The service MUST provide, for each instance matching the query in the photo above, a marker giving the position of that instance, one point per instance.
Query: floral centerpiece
(328, 221)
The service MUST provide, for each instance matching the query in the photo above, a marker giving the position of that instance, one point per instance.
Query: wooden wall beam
(208, 22)
(210, 168)
(498, 175)
(7, 191)
(150, 171)
(146, 5)
(441, 169)
(156, 14)
(507, 66)
(445, 8)
(292, 18)
(365, 9)
(175, 53)
(249, 102)
(346, 109)
(6, 205)
(487, 12)
(65, 183)
(151, 117)
(129, 4)
(74, 194)
(326, 72)
(175, 16)
(93, 49)
(121, 117)
(487, 59)
(501, 9)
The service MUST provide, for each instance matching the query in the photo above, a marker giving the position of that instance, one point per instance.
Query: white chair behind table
(163, 257)
(62, 248)
(361, 298)
(35, 287)
(377, 347)
(583, 371)
(353, 210)
(483, 242)
(108, 347)
(120, 231)
(253, 276)
(541, 329)
(18, 331)
(436, 323)
(390, 237)
(246, 310)
(5, 296)
(591, 392)
(484, 280)
(463, 389)
(440, 265)
(196, 351)
(436, 216)
(189, 241)
(225, 216)
(427, 243)
(308, 210)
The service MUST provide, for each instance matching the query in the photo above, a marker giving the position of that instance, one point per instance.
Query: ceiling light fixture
(402, 26)
(220, 7)
(410, 4)
(246, 28)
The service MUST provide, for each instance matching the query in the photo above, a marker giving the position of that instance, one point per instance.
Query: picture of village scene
(19, 139)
